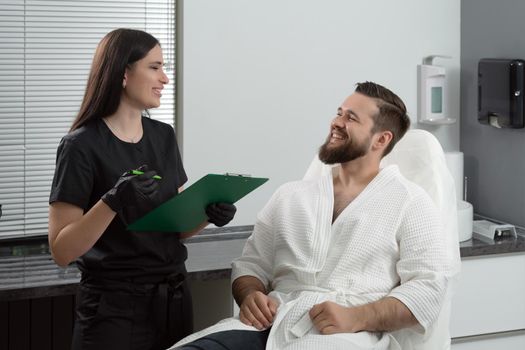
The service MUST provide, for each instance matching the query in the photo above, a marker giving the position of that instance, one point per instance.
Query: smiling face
(351, 130)
(144, 81)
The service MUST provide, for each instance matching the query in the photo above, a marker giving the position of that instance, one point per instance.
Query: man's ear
(383, 139)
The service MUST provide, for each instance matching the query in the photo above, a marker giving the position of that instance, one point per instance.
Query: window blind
(46, 48)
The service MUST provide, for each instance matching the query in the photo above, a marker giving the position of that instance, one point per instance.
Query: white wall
(262, 80)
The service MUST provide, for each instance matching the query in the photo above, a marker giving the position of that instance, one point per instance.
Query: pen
(138, 172)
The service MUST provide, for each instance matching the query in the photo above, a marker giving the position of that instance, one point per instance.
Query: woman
(133, 293)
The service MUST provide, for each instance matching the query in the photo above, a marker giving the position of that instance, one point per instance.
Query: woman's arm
(72, 233)
(193, 232)
(198, 229)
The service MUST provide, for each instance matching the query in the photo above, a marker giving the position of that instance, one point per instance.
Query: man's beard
(346, 152)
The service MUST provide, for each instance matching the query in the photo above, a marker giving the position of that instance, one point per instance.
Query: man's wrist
(384, 315)
(246, 285)
(362, 317)
(244, 293)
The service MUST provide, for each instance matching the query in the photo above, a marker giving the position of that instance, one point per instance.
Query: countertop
(28, 271)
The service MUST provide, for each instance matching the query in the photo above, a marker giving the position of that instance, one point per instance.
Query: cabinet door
(490, 296)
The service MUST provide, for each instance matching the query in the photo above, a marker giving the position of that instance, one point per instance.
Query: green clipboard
(186, 211)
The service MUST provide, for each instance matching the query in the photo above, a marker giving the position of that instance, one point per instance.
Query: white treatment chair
(420, 159)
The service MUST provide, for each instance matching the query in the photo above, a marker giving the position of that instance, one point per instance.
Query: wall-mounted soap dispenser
(432, 93)
(500, 92)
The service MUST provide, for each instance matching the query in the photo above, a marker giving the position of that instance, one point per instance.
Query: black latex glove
(133, 190)
(220, 214)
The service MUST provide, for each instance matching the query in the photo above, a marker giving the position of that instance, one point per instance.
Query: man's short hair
(392, 114)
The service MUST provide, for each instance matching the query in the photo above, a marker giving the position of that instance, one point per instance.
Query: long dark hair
(116, 51)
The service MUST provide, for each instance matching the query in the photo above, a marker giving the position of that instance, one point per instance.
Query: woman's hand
(220, 213)
(130, 189)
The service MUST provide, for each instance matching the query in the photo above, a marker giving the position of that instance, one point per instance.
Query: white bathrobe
(387, 242)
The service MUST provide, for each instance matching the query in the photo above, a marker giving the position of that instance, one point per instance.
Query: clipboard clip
(235, 174)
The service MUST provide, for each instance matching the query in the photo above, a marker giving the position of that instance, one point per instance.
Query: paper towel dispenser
(501, 92)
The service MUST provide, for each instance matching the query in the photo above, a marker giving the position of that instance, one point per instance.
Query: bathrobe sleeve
(424, 266)
(257, 256)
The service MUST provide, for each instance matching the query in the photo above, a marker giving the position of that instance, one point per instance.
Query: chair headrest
(421, 159)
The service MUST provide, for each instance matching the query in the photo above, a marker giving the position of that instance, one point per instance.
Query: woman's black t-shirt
(90, 160)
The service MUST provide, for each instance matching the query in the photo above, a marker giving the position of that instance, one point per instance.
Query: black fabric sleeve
(74, 174)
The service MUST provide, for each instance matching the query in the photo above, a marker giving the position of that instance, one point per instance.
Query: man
(344, 261)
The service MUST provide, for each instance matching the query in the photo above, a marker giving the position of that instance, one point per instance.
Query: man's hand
(330, 318)
(258, 310)
(385, 315)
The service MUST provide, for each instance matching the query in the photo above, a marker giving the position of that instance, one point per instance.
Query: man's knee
(203, 344)
(229, 340)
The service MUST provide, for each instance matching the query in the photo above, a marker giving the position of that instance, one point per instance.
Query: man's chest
(342, 199)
